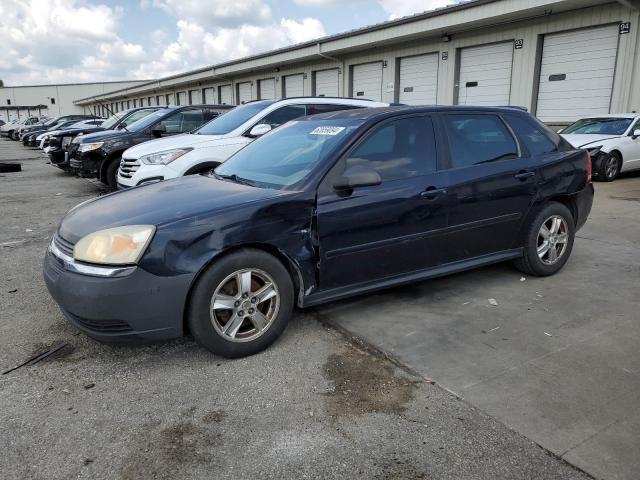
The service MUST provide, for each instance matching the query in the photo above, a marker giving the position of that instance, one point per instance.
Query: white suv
(214, 142)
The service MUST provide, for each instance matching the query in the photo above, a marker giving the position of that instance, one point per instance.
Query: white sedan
(612, 140)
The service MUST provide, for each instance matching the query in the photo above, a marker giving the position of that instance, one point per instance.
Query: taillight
(589, 168)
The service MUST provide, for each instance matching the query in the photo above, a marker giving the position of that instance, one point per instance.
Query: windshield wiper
(234, 178)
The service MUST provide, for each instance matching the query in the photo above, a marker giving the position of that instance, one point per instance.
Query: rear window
(537, 143)
(476, 139)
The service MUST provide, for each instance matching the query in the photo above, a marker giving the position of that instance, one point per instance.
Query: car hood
(102, 136)
(582, 140)
(169, 143)
(193, 197)
(75, 131)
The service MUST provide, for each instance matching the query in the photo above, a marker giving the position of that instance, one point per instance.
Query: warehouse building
(52, 100)
(561, 59)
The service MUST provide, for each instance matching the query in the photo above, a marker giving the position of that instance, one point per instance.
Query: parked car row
(338, 200)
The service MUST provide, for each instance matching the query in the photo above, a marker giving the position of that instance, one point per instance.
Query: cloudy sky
(61, 41)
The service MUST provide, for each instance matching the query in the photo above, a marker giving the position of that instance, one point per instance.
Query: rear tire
(610, 167)
(241, 303)
(549, 241)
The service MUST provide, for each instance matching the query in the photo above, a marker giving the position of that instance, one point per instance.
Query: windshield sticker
(326, 130)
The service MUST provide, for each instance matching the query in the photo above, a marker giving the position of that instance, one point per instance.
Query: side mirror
(357, 176)
(259, 130)
(636, 133)
(158, 130)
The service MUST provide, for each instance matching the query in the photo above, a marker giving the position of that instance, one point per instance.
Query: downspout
(342, 65)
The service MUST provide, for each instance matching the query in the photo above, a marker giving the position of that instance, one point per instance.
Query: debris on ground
(10, 167)
(89, 386)
(522, 279)
(547, 334)
(41, 356)
(13, 291)
(493, 302)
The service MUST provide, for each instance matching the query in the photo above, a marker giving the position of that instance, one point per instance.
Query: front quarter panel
(282, 224)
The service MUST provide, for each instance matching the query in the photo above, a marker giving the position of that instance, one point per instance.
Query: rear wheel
(549, 241)
(610, 167)
(241, 303)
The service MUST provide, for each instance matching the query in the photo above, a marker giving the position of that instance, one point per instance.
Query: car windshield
(287, 155)
(233, 119)
(599, 126)
(147, 120)
(110, 122)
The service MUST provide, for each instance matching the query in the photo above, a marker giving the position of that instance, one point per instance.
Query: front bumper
(132, 305)
(59, 158)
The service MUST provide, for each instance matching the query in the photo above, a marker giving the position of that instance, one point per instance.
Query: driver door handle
(432, 192)
(524, 174)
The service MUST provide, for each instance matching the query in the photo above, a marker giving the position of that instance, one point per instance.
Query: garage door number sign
(518, 44)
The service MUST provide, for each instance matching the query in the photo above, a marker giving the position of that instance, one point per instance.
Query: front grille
(101, 326)
(128, 167)
(63, 245)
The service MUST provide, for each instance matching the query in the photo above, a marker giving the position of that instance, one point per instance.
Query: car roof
(372, 113)
(612, 115)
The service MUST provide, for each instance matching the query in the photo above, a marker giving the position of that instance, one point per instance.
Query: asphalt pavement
(317, 404)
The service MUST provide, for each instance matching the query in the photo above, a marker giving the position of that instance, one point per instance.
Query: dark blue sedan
(322, 208)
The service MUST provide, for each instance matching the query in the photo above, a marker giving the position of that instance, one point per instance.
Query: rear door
(492, 182)
(394, 228)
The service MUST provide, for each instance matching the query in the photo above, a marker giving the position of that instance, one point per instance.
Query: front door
(370, 233)
(491, 185)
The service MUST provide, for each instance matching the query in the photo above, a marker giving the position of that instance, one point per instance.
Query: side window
(398, 149)
(327, 107)
(183, 121)
(475, 139)
(635, 127)
(536, 142)
(284, 114)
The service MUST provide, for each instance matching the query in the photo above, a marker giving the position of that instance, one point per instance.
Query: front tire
(610, 167)
(111, 174)
(241, 303)
(549, 241)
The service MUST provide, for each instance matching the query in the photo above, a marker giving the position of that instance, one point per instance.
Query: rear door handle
(432, 192)
(522, 175)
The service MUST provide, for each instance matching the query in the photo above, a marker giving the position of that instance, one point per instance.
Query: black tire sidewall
(531, 252)
(602, 174)
(198, 316)
(111, 173)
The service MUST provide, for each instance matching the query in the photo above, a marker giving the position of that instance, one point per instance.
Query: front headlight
(163, 158)
(115, 246)
(87, 147)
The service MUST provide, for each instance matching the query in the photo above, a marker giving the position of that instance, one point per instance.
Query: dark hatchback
(59, 144)
(99, 154)
(320, 209)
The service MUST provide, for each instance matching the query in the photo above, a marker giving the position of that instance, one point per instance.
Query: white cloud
(315, 3)
(402, 8)
(62, 41)
(218, 13)
(196, 47)
(47, 41)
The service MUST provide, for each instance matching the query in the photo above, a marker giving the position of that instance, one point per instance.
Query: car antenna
(113, 113)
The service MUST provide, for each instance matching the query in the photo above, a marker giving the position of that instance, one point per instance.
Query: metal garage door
(182, 98)
(225, 95)
(244, 92)
(194, 97)
(576, 73)
(266, 89)
(293, 85)
(209, 95)
(485, 74)
(327, 83)
(367, 81)
(418, 80)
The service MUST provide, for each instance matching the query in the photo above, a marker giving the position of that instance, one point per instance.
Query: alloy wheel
(611, 166)
(244, 305)
(552, 239)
